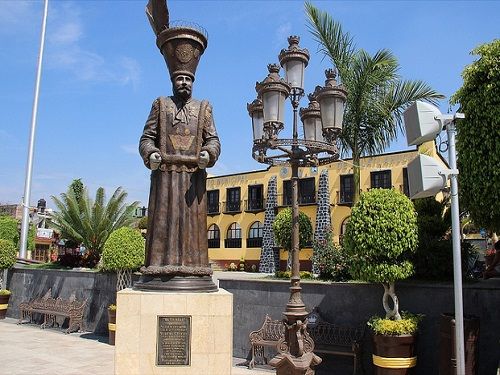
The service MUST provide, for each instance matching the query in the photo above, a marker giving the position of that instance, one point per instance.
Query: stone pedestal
(211, 331)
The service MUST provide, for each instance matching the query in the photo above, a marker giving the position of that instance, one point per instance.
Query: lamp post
(322, 121)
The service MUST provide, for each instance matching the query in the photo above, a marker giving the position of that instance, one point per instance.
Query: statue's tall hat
(181, 46)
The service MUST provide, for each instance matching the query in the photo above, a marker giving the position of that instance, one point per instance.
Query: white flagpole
(29, 164)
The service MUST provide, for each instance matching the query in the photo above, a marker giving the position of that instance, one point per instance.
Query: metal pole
(29, 164)
(457, 262)
(295, 304)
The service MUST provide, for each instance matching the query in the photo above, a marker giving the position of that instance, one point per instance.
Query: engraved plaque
(173, 343)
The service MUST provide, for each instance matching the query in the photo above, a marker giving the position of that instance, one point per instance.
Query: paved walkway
(27, 349)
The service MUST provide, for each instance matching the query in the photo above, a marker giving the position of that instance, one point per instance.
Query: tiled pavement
(27, 349)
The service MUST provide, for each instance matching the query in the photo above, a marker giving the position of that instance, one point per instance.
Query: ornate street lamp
(331, 99)
(256, 112)
(295, 350)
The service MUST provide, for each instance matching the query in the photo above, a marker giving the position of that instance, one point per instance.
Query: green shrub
(288, 274)
(8, 229)
(143, 223)
(5, 292)
(381, 233)
(433, 259)
(124, 249)
(407, 325)
(331, 259)
(7, 254)
(112, 307)
(282, 227)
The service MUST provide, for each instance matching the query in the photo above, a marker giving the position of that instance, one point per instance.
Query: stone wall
(353, 303)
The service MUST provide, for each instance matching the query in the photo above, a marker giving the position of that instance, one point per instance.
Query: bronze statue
(178, 142)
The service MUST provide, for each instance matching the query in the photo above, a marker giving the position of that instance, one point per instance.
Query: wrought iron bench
(328, 339)
(267, 335)
(50, 308)
(334, 339)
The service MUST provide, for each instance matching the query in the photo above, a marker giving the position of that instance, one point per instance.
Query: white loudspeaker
(420, 123)
(426, 177)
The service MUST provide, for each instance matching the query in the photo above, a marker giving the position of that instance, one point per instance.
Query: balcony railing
(213, 208)
(232, 207)
(254, 205)
(214, 243)
(232, 243)
(254, 242)
(344, 197)
(303, 199)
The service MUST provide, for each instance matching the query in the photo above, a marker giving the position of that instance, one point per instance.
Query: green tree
(478, 139)
(376, 94)
(92, 221)
(282, 228)
(7, 254)
(9, 231)
(123, 252)
(7, 259)
(380, 236)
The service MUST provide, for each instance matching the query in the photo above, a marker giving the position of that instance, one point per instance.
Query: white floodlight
(422, 123)
(426, 177)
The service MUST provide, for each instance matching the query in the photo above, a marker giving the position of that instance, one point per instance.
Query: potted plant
(111, 324)
(381, 234)
(7, 260)
(123, 252)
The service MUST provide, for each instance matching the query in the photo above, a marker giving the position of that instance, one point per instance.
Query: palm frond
(333, 41)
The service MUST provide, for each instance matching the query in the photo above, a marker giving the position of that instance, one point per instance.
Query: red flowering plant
(491, 251)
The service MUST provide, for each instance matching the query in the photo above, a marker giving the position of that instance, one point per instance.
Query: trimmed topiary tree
(380, 236)
(7, 259)
(123, 252)
(282, 228)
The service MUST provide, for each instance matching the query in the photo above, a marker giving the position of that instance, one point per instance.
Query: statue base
(176, 283)
(173, 333)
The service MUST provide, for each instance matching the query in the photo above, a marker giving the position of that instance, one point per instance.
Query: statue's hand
(154, 160)
(203, 160)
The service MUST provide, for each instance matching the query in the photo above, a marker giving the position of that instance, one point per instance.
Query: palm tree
(88, 221)
(376, 95)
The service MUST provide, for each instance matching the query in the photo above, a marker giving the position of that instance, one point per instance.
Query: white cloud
(67, 33)
(17, 13)
(130, 149)
(282, 33)
(67, 51)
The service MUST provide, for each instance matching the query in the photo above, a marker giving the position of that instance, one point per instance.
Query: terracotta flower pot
(111, 326)
(4, 303)
(394, 355)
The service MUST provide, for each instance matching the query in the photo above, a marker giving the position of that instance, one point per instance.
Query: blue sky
(102, 70)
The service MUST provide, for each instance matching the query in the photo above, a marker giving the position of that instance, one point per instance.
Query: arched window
(255, 235)
(233, 236)
(213, 236)
(343, 228)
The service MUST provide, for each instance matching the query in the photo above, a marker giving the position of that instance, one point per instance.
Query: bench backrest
(271, 330)
(326, 333)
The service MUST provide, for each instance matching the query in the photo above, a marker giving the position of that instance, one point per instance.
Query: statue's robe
(176, 242)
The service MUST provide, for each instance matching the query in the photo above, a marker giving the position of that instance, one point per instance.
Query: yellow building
(236, 202)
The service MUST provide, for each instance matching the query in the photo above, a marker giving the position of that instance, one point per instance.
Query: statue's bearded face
(183, 86)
